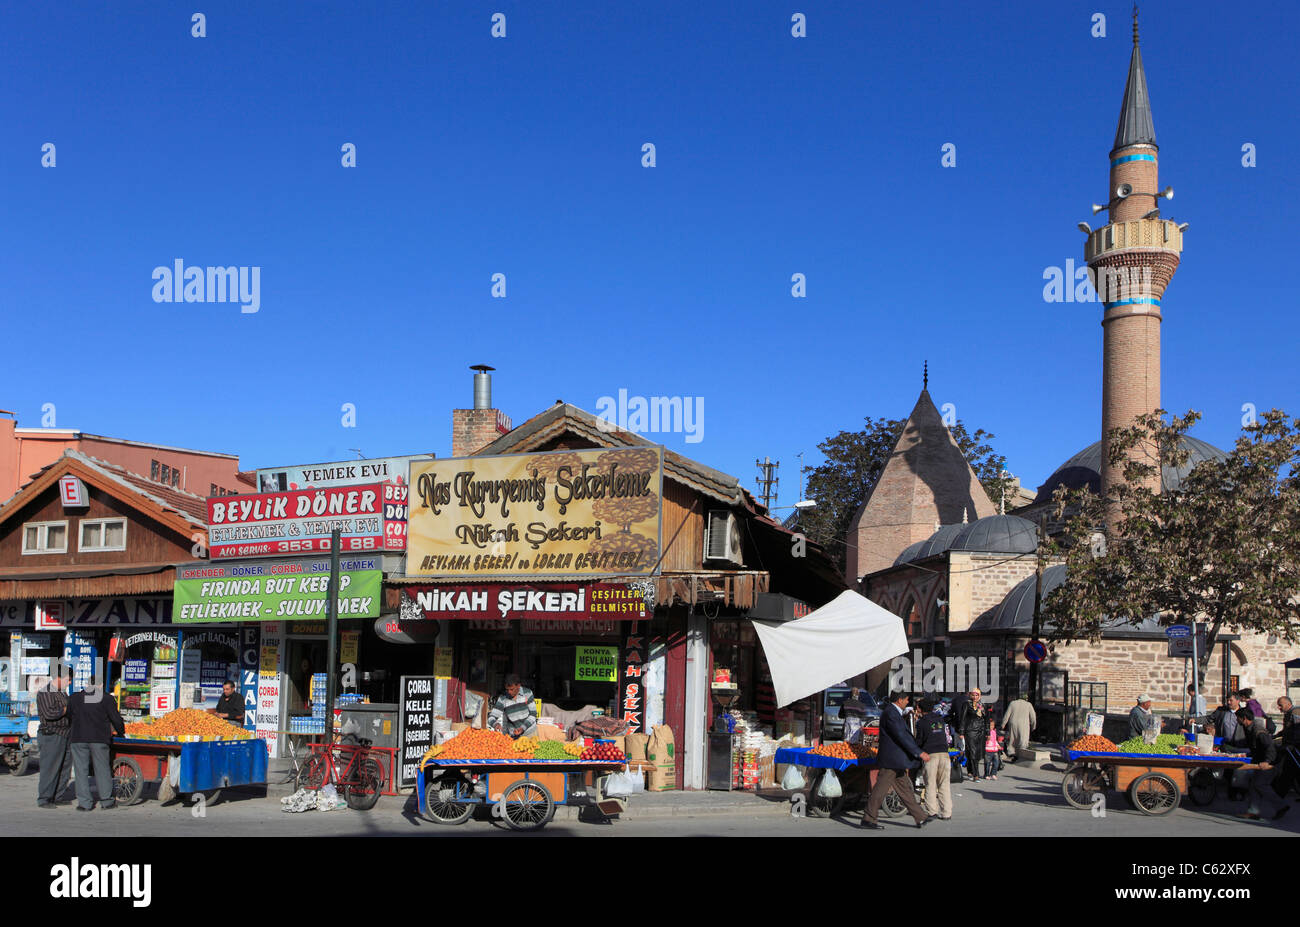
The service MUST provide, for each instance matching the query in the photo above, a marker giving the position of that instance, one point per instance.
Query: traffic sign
(1035, 651)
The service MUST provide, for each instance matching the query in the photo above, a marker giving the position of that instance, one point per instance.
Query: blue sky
(775, 155)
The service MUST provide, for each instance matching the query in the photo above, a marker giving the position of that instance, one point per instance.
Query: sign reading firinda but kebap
(552, 514)
(276, 590)
(272, 524)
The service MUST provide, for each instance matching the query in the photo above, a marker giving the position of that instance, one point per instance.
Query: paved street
(1023, 802)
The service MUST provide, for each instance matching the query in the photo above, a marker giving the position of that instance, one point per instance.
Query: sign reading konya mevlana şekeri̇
(557, 513)
(276, 523)
(276, 590)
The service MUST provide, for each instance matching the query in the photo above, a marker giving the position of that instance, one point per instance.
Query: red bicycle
(349, 765)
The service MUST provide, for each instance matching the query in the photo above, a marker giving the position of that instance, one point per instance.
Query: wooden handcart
(1154, 782)
(857, 777)
(184, 769)
(522, 792)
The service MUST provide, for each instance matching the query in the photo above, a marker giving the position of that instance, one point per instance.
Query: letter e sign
(73, 492)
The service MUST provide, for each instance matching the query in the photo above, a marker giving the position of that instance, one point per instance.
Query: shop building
(630, 605)
(24, 451)
(88, 555)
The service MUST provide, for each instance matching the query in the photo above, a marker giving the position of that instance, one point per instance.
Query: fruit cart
(1154, 781)
(199, 767)
(523, 792)
(18, 724)
(856, 780)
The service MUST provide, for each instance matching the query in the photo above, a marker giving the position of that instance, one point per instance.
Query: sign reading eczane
(558, 513)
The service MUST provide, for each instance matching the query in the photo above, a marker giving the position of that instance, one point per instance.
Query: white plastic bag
(793, 780)
(620, 785)
(830, 785)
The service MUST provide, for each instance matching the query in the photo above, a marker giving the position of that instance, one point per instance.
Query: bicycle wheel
(1081, 784)
(892, 806)
(1154, 793)
(313, 772)
(362, 790)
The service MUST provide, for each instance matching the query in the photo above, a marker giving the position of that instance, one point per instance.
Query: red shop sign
(536, 602)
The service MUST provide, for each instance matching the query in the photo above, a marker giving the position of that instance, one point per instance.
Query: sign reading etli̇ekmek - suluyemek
(275, 590)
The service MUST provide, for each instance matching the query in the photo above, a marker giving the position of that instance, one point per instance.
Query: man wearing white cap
(1140, 718)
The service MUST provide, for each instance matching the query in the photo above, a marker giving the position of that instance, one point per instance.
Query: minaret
(1132, 259)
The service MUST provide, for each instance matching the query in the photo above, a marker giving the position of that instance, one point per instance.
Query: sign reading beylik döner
(559, 513)
(276, 590)
(272, 523)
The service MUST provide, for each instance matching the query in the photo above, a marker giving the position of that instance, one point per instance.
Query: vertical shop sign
(268, 686)
(414, 726)
(80, 653)
(348, 647)
(632, 692)
(249, 662)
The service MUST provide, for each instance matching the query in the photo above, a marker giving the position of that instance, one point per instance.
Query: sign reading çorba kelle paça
(556, 513)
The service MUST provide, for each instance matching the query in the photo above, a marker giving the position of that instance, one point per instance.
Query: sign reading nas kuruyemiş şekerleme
(558, 513)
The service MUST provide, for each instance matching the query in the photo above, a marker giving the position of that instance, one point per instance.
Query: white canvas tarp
(846, 636)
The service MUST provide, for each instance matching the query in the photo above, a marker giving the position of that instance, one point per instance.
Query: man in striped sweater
(52, 740)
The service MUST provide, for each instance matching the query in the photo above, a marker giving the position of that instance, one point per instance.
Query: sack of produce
(661, 778)
(661, 748)
(549, 732)
(830, 785)
(793, 779)
(634, 745)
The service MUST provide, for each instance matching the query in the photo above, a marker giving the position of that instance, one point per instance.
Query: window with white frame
(103, 534)
(45, 537)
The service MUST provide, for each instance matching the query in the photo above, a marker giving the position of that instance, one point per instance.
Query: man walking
(932, 738)
(94, 721)
(896, 757)
(52, 740)
(1017, 724)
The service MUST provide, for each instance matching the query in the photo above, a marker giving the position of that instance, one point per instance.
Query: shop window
(45, 537)
(103, 534)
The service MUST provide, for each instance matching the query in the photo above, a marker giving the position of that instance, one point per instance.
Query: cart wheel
(892, 806)
(311, 775)
(16, 760)
(1201, 786)
(363, 791)
(441, 806)
(527, 805)
(128, 781)
(1154, 793)
(825, 807)
(1081, 783)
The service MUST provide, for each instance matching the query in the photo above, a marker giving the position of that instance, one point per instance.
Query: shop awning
(844, 638)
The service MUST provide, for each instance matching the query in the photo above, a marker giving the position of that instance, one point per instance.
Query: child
(992, 762)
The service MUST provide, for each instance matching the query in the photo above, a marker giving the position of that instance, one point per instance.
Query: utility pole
(331, 653)
(1038, 604)
(767, 481)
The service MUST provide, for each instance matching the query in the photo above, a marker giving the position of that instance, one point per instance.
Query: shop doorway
(306, 658)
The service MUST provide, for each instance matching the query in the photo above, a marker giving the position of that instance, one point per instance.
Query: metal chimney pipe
(482, 386)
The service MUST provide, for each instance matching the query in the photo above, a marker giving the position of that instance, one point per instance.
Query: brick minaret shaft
(1133, 258)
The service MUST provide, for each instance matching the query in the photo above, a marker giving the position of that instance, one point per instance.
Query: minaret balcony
(1147, 234)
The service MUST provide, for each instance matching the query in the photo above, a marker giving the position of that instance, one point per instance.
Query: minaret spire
(1135, 124)
(925, 376)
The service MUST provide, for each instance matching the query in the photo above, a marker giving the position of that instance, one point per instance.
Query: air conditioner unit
(722, 539)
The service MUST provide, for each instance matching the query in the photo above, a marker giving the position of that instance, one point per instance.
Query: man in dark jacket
(1263, 756)
(932, 738)
(94, 722)
(52, 740)
(896, 757)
